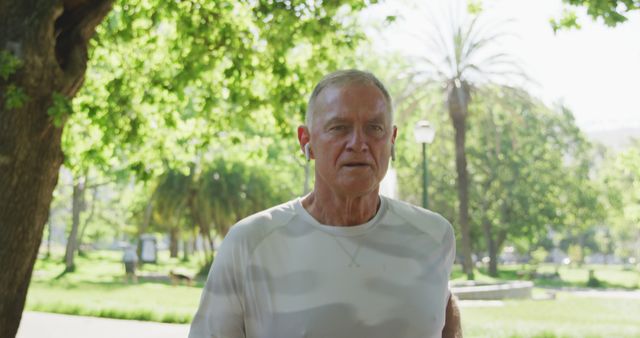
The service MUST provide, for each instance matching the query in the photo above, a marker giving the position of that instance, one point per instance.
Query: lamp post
(424, 134)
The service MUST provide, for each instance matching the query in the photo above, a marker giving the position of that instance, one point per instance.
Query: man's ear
(304, 137)
(394, 134)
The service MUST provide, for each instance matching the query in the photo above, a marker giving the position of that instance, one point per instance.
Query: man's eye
(376, 128)
(338, 128)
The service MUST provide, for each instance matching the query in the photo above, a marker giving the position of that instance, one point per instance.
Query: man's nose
(357, 141)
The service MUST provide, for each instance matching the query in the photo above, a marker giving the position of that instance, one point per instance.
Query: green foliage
(474, 7)
(539, 255)
(507, 140)
(522, 157)
(612, 12)
(569, 19)
(169, 80)
(14, 97)
(224, 192)
(530, 166)
(575, 253)
(60, 109)
(620, 175)
(171, 83)
(170, 203)
(9, 64)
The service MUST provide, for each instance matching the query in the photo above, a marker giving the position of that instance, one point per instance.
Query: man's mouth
(356, 164)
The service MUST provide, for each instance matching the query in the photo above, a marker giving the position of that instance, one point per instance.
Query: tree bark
(457, 101)
(173, 242)
(87, 221)
(49, 38)
(491, 247)
(72, 240)
(185, 249)
(48, 240)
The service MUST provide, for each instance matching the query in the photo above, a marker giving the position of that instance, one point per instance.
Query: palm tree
(464, 56)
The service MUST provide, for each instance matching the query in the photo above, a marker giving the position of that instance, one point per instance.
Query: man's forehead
(345, 89)
(344, 101)
(337, 117)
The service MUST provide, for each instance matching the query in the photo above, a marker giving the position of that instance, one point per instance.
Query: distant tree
(170, 213)
(78, 204)
(523, 159)
(465, 57)
(620, 174)
(213, 200)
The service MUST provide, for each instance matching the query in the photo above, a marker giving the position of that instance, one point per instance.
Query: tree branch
(74, 27)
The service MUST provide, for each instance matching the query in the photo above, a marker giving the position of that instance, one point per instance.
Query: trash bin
(148, 248)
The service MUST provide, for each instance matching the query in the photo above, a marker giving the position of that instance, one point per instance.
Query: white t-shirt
(281, 274)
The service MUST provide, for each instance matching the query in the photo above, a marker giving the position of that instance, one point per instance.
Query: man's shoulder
(424, 220)
(260, 224)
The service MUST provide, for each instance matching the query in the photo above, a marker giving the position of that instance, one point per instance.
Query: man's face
(351, 138)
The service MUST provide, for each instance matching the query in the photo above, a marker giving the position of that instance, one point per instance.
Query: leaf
(15, 97)
(9, 64)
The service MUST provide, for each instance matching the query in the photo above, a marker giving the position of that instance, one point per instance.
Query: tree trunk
(185, 250)
(201, 222)
(49, 39)
(145, 222)
(194, 240)
(72, 240)
(205, 250)
(211, 245)
(458, 100)
(173, 242)
(491, 247)
(582, 249)
(87, 221)
(49, 240)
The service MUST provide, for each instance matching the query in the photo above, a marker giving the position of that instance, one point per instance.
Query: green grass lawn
(97, 288)
(566, 316)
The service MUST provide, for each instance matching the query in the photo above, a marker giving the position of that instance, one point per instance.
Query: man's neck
(332, 208)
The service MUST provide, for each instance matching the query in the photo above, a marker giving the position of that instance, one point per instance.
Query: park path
(635, 294)
(51, 325)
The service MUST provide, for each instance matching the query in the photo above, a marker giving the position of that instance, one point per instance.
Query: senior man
(342, 261)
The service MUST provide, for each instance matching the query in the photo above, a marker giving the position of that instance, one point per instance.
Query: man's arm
(220, 313)
(452, 325)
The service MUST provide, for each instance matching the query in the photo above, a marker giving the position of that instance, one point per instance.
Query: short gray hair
(345, 77)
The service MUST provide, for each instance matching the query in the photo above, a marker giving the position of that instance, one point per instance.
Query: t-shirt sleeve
(450, 249)
(221, 310)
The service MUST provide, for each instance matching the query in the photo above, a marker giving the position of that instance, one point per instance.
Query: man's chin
(358, 187)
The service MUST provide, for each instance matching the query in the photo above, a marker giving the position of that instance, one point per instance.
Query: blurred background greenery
(186, 124)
